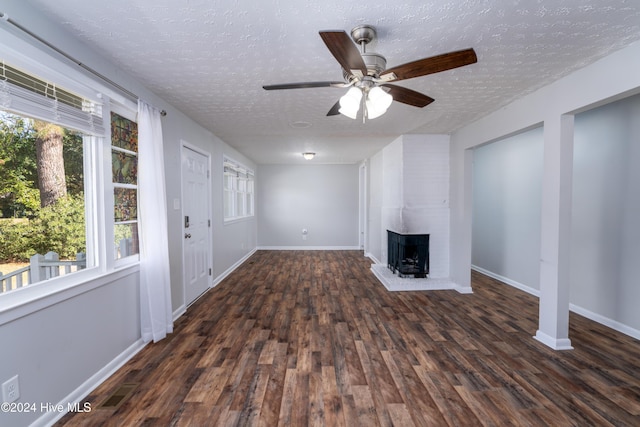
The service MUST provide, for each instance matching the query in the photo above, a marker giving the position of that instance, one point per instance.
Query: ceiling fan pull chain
(364, 110)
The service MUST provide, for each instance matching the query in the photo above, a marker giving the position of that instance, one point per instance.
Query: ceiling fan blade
(408, 96)
(335, 110)
(304, 85)
(345, 52)
(434, 64)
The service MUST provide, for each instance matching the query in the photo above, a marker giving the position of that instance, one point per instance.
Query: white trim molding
(518, 285)
(76, 396)
(610, 323)
(230, 270)
(554, 343)
(309, 248)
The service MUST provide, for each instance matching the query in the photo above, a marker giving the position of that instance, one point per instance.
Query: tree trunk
(50, 162)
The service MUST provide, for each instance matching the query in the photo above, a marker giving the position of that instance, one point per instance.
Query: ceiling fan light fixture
(351, 113)
(308, 155)
(377, 103)
(380, 99)
(350, 102)
(372, 111)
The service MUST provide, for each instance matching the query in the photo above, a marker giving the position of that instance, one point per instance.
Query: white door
(196, 223)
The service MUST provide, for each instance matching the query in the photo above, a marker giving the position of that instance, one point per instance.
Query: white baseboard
(76, 396)
(554, 343)
(371, 257)
(309, 248)
(518, 285)
(183, 308)
(179, 312)
(610, 323)
(463, 289)
(551, 342)
(230, 270)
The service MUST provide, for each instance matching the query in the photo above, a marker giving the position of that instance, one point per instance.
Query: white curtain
(155, 291)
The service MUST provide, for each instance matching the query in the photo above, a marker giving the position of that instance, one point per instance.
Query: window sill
(239, 219)
(32, 298)
(127, 261)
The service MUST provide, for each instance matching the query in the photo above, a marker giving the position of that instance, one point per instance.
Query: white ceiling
(210, 58)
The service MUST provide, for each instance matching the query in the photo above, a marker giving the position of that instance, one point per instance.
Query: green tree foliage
(58, 227)
(19, 196)
(73, 162)
(32, 229)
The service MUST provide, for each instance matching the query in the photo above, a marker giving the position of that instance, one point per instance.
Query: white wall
(507, 187)
(613, 77)
(57, 348)
(320, 198)
(507, 177)
(606, 206)
(63, 344)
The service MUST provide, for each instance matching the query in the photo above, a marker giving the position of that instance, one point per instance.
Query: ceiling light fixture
(300, 124)
(376, 102)
(308, 155)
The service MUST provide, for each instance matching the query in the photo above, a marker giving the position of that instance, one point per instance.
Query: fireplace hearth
(408, 254)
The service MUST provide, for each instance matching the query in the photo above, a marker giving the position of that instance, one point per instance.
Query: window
(89, 221)
(238, 190)
(48, 140)
(124, 160)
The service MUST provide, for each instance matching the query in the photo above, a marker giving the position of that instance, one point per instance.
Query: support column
(461, 202)
(553, 322)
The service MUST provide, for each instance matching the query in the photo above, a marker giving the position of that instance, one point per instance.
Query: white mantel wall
(412, 175)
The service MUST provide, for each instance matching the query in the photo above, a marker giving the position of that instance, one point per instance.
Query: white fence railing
(41, 267)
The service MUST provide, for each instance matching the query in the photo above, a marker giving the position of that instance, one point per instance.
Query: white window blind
(26, 94)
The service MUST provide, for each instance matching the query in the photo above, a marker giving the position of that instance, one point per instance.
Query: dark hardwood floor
(298, 338)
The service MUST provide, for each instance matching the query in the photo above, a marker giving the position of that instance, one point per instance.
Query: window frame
(134, 257)
(238, 192)
(99, 199)
(94, 221)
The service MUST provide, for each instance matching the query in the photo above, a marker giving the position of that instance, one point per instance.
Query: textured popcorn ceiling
(210, 58)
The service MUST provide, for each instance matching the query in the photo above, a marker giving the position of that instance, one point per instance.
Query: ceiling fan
(365, 74)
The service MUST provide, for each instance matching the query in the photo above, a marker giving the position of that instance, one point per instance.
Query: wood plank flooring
(311, 338)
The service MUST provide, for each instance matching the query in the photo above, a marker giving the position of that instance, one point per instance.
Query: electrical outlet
(11, 390)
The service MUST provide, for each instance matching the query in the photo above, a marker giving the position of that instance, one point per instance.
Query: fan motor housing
(375, 63)
(362, 35)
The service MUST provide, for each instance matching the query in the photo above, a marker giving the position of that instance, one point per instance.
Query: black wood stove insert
(408, 254)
